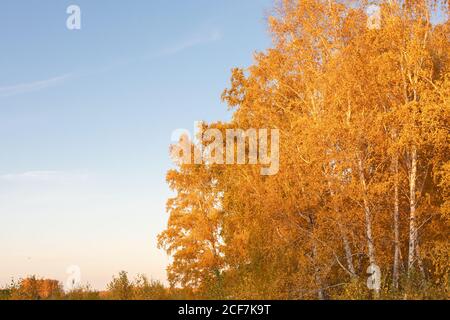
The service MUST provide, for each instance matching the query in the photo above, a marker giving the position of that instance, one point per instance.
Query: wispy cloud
(192, 41)
(184, 44)
(32, 86)
(43, 176)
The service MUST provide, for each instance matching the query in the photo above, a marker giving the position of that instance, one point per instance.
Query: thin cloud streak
(44, 176)
(23, 88)
(188, 43)
(192, 42)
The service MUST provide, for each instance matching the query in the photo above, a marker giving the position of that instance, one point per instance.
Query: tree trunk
(368, 217)
(395, 275)
(318, 278)
(412, 215)
(419, 260)
(320, 293)
(347, 248)
(348, 252)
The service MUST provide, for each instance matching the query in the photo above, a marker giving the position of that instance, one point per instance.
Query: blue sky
(86, 119)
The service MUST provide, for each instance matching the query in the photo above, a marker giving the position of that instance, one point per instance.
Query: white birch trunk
(412, 215)
(395, 275)
(347, 248)
(368, 217)
(348, 253)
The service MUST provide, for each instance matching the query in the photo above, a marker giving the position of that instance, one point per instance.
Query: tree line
(363, 110)
(121, 287)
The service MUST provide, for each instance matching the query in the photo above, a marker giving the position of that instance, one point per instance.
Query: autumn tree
(363, 110)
